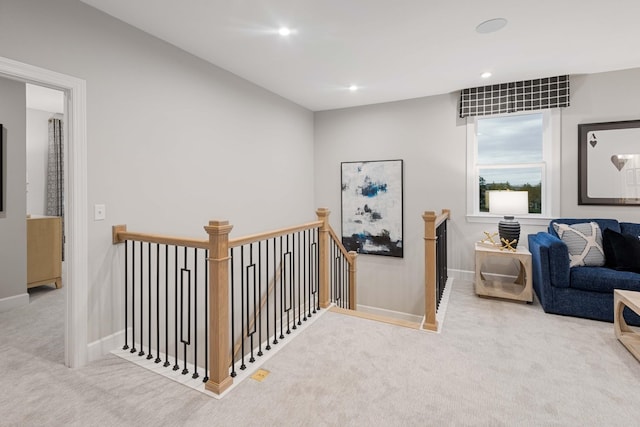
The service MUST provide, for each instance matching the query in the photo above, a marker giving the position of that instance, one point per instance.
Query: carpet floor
(495, 363)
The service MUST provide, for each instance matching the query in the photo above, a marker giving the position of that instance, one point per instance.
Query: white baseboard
(462, 274)
(390, 313)
(9, 303)
(99, 348)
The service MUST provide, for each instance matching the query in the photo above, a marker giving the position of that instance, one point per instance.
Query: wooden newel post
(219, 321)
(430, 240)
(323, 244)
(353, 288)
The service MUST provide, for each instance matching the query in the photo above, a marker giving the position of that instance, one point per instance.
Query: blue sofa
(579, 291)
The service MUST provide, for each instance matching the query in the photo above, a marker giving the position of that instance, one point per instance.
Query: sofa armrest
(551, 256)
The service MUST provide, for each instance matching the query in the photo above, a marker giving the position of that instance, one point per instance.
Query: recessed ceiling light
(491, 26)
(353, 88)
(284, 31)
(485, 75)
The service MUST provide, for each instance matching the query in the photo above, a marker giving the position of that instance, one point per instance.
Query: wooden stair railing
(218, 246)
(431, 224)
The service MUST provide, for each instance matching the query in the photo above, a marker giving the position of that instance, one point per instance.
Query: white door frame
(76, 260)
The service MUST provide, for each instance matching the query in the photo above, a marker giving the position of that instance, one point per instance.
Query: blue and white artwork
(372, 207)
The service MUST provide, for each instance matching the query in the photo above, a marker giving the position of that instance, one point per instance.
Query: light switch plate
(99, 212)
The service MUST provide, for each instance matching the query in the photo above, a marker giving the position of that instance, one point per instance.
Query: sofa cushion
(622, 251)
(584, 241)
(602, 222)
(603, 279)
(630, 228)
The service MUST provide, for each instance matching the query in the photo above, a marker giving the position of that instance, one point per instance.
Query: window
(513, 152)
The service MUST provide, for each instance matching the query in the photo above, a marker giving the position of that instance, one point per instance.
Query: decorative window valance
(536, 94)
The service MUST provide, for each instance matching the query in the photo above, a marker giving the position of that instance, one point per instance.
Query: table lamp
(509, 203)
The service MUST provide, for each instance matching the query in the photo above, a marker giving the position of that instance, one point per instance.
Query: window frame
(551, 124)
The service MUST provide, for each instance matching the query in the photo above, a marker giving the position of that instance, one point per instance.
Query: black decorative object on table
(509, 231)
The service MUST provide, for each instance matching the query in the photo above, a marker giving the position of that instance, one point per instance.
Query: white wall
(427, 134)
(429, 137)
(37, 157)
(172, 141)
(596, 98)
(13, 219)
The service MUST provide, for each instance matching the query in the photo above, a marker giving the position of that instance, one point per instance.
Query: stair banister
(431, 223)
(219, 320)
(323, 243)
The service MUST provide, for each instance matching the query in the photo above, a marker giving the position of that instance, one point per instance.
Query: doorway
(75, 276)
(45, 216)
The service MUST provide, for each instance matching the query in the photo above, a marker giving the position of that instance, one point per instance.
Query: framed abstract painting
(372, 220)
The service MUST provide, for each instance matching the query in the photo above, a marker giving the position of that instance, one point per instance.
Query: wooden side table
(520, 290)
(626, 335)
(44, 251)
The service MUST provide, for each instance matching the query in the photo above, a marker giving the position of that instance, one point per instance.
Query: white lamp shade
(507, 202)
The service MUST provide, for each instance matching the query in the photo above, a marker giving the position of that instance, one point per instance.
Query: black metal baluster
(141, 352)
(282, 290)
(345, 275)
(206, 316)
(317, 278)
(305, 253)
(275, 294)
(126, 291)
(268, 276)
(133, 297)
(348, 282)
(287, 286)
(443, 256)
(445, 244)
(309, 272)
(334, 281)
(186, 342)
(158, 360)
(296, 274)
(176, 366)
(438, 266)
(439, 261)
(149, 356)
(444, 253)
(249, 283)
(292, 282)
(195, 314)
(259, 311)
(344, 294)
(334, 270)
(339, 283)
(299, 282)
(233, 359)
(242, 303)
(345, 279)
(166, 307)
(338, 273)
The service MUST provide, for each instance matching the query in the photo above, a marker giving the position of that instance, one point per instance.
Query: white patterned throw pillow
(584, 241)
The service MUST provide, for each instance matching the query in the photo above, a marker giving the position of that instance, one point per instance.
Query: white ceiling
(392, 49)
